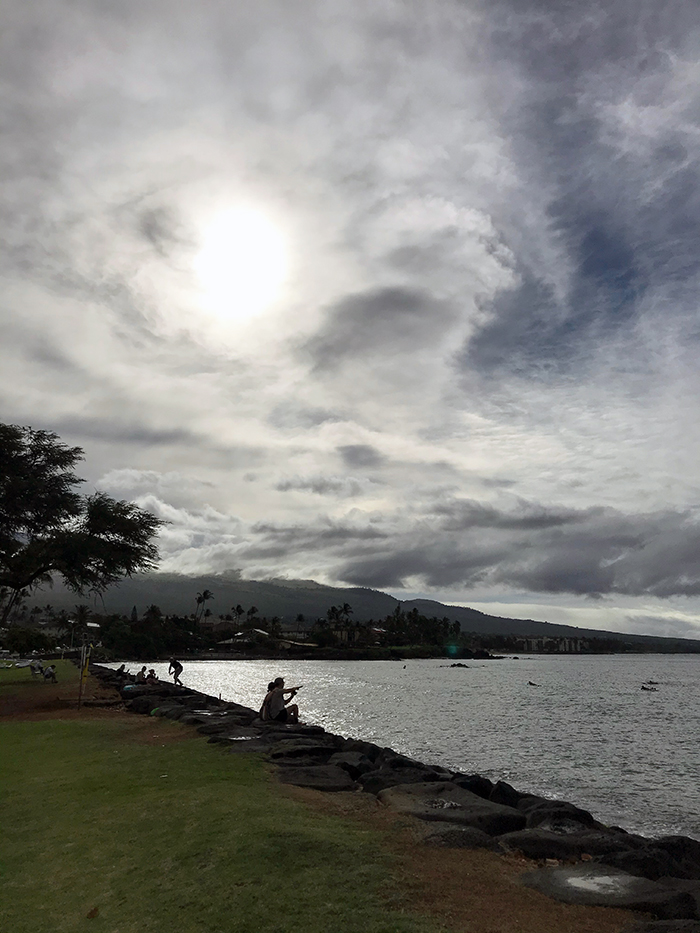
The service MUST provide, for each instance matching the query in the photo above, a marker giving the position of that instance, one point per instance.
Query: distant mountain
(176, 594)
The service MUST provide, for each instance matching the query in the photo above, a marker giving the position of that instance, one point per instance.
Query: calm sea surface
(587, 733)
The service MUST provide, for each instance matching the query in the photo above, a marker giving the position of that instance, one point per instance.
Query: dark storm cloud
(360, 455)
(381, 321)
(624, 216)
(124, 433)
(587, 552)
(472, 514)
(342, 486)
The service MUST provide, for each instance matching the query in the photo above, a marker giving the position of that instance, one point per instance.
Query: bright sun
(242, 264)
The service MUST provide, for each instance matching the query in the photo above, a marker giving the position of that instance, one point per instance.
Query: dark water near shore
(587, 733)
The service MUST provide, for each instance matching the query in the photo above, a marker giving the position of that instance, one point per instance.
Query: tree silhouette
(47, 528)
(202, 598)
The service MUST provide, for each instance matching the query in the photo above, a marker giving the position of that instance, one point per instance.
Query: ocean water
(586, 733)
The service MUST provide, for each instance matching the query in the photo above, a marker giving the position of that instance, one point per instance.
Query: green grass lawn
(173, 838)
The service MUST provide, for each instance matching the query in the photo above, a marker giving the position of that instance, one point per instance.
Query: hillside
(176, 594)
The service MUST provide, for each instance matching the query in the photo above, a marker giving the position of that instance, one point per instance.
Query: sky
(387, 294)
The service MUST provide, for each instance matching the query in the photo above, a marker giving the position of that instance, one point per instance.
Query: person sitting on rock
(152, 677)
(50, 674)
(264, 713)
(141, 676)
(176, 669)
(278, 706)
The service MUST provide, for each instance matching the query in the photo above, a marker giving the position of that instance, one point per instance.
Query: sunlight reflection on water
(587, 733)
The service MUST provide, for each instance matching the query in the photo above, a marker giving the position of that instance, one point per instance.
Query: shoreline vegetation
(243, 634)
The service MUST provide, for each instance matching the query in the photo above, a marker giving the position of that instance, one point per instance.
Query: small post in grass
(84, 665)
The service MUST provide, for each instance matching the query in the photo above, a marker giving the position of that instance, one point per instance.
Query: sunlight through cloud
(242, 264)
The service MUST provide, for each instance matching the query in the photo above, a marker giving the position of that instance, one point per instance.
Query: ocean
(576, 728)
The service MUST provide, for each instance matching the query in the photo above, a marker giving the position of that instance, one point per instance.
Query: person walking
(175, 669)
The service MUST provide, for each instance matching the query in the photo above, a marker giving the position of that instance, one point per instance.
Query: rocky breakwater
(576, 858)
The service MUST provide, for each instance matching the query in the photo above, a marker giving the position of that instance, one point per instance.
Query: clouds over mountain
(480, 370)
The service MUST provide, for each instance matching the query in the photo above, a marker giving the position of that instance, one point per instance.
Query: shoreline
(454, 810)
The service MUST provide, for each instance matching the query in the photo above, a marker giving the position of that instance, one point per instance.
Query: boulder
(355, 763)
(321, 777)
(451, 836)
(477, 784)
(381, 778)
(364, 748)
(242, 744)
(684, 850)
(503, 793)
(541, 844)
(650, 862)
(444, 801)
(602, 886)
(287, 750)
(557, 815)
(690, 885)
(143, 704)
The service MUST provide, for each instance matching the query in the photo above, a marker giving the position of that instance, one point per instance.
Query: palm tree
(202, 598)
(238, 612)
(251, 613)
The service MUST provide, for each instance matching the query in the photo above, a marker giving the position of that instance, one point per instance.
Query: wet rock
(448, 803)
(327, 778)
(603, 886)
(451, 836)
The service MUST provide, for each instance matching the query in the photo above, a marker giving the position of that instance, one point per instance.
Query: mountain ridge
(176, 594)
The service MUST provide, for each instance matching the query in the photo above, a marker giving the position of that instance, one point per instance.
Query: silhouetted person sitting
(141, 676)
(152, 677)
(278, 706)
(50, 674)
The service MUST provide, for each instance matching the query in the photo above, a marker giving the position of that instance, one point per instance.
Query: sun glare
(241, 265)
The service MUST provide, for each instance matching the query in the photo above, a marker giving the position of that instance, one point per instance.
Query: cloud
(487, 342)
(387, 320)
(360, 455)
(342, 486)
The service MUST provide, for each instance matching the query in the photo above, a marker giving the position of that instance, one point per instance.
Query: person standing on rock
(278, 706)
(176, 669)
